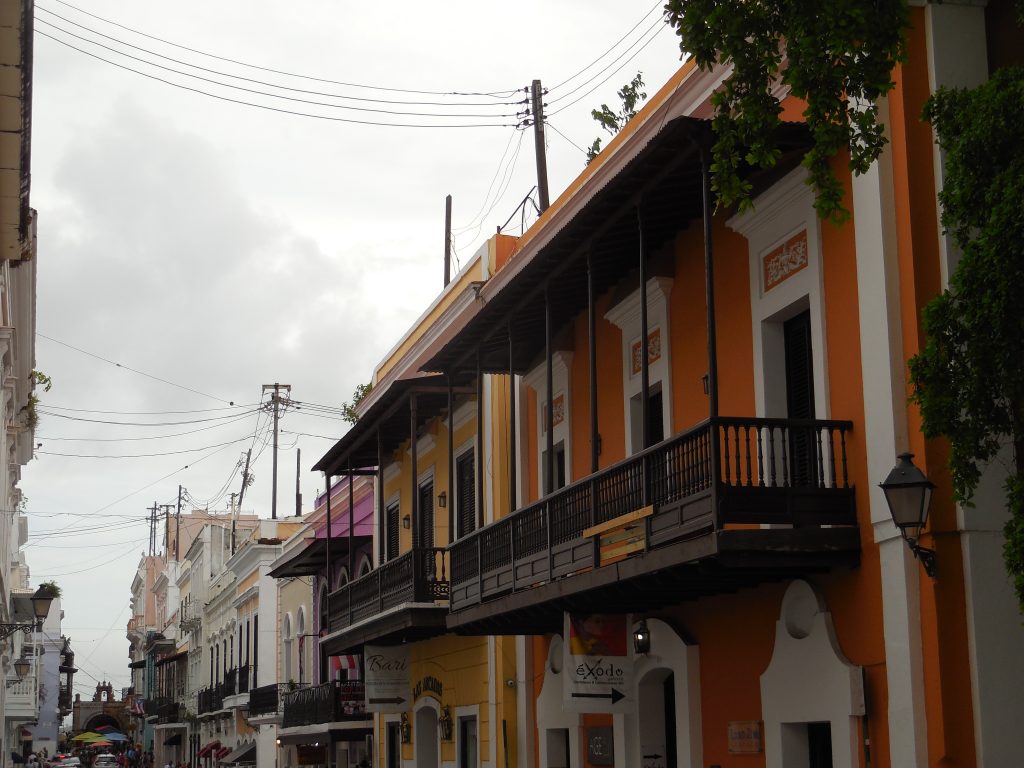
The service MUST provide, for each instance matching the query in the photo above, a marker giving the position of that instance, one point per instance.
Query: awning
(221, 753)
(205, 751)
(312, 558)
(244, 753)
(174, 741)
(141, 664)
(172, 657)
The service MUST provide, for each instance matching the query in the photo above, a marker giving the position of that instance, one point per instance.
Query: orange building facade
(682, 417)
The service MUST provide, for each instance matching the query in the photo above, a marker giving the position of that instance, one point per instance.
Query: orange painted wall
(948, 698)
(689, 330)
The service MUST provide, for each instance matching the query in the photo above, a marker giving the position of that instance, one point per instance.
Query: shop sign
(307, 754)
(786, 260)
(387, 678)
(428, 684)
(598, 669)
(745, 737)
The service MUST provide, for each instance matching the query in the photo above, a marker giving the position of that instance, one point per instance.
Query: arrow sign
(615, 696)
(395, 700)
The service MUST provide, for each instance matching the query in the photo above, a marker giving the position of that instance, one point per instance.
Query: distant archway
(101, 719)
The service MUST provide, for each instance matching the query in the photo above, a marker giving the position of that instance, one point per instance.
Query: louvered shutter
(426, 511)
(466, 482)
(392, 532)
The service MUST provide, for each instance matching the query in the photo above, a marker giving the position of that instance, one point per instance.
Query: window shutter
(465, 473)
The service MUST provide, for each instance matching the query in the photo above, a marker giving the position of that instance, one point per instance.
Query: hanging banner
(598, 669)
(387, 678)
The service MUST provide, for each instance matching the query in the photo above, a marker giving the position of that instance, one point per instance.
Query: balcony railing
(267, 699)
(418, 576)
(210, 699)
(327, 703)
(736, 471)
(243, 678)
(137, 622)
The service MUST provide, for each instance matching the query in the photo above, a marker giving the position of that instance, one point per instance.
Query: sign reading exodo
(598, 669)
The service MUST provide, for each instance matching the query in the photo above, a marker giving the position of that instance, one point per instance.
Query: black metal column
(709, 283)
(451, 459)
(479, 440)
(645, 374)
(382, 527)
(414, 519)
(512, 448)
(327, 544)
(592, 342)
(351, 527)
(549, 406)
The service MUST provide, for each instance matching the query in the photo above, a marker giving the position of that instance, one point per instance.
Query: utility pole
(167, 529)
(276, 400)
(177, 528)
(537, 106)
(447, 240)
(298, 489)
(152, 528)
(234, 517)
(245, 478)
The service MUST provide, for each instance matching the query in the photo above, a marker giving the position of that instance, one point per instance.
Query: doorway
(657, 719)
(800, 398)
(426, 738)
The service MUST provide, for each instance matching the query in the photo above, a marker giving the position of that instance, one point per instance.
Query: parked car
(70, 762)
(104, 761)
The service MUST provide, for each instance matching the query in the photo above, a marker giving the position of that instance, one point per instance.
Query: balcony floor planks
(406, 623)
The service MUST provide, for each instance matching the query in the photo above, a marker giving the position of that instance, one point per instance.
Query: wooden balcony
(405, 598)
(677, 521)
(327, 703)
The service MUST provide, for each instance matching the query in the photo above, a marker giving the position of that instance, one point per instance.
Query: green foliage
(969, 378)
(839, 57)
(51, 588)
(348, 410)
(630, 95)
(41, 379)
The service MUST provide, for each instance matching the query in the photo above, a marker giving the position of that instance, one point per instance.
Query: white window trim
(778, 214)
(626, 317)
(561, 383)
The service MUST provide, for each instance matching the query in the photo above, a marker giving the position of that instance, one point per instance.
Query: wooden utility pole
(152, 528)
(167, 529)
(298, 488)
(245, 478)
(177, 528)
(234, 517)
(276, 400)
(537, 107)
(447, 240)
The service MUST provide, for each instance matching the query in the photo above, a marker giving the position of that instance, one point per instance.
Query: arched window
(287, 638)
(365, 567)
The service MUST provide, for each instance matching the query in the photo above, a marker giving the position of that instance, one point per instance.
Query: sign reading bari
(387, 678)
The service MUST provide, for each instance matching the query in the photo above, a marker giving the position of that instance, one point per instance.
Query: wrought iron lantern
(21, 667)
(908, 492)
(642, 638)
(444, 723)
(405, 729)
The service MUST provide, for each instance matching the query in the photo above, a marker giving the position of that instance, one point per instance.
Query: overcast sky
(220, 247)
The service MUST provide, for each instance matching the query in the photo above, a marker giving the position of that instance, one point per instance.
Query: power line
(269, 108)
(661, 28)
(132, 439)
(149, 413)
(612, 48)
(501, 162)
(226, 419)
(128, 368)
(552, 127)
(143, 455)
(495, 93)
(265, 93)
(492, 103)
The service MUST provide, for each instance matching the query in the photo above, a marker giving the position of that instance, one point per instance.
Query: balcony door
(800, 397)
(465, 486)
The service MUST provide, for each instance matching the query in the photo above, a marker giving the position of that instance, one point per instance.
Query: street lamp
(40, 607)
(642, 638)
(908, 493)
(21, 667)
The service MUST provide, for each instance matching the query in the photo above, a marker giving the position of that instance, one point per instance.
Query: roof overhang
(312, 559)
